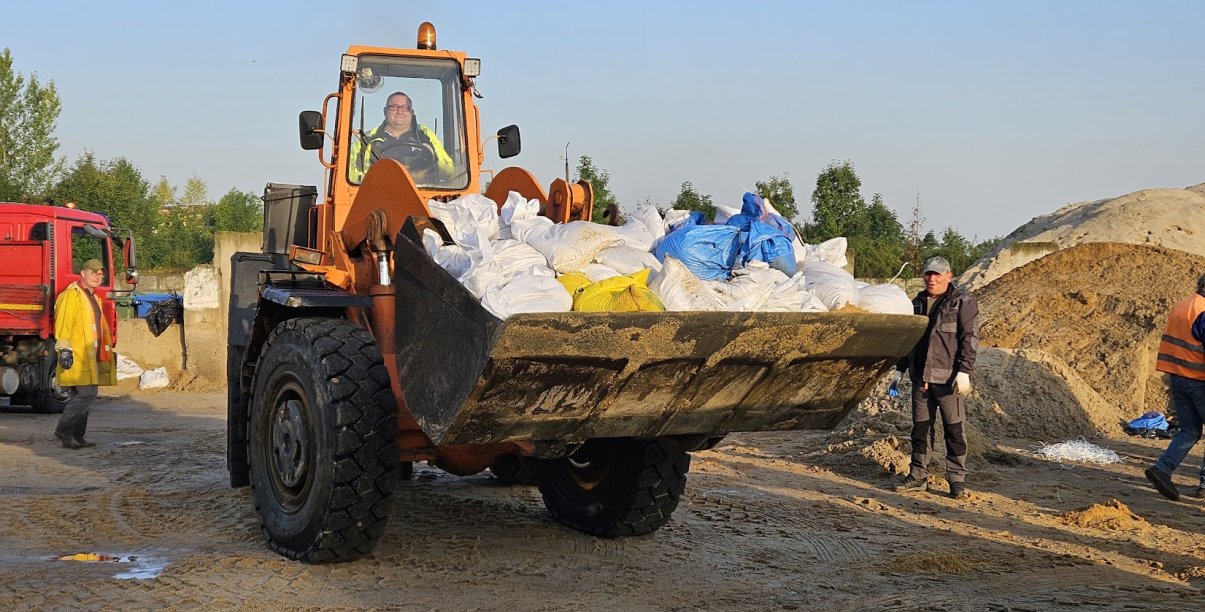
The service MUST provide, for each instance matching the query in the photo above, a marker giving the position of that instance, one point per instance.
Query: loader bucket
(470, 378)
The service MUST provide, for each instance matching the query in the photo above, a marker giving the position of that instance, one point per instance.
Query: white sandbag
(472, 220)
(679, 289)
(673, 219)
(153, 379)
(568, 247)
(757, 277)
(596, 272)
(723, 213)
(529, 291)
(451, 257)
(830, 251)
(811, 303)
(516, 208)
(833, 285)
(886, 298)
(642, 229)
(627, 259)
(501, 263)
(127, 368)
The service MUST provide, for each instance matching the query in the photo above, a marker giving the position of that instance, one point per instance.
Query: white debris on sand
(1078, 450)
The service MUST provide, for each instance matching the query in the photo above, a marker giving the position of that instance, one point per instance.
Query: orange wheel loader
(353, 354)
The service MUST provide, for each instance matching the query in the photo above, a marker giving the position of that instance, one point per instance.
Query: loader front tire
(615, 487)
(322, 447)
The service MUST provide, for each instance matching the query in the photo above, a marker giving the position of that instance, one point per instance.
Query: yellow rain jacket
(83, 329)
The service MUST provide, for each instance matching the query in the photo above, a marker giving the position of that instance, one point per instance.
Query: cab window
(85, 246)
(411, 110)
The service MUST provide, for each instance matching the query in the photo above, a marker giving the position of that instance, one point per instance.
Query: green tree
(780, 193)
(238, 211)
(879, 253)
(838, 208)
(691, 199)
(117, 189)
(600, 180)
(164, 193)
(955, 249)
(196, 192)
(29, 113)
(184, 238)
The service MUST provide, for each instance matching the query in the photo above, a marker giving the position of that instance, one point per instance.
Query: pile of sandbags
(751, 259)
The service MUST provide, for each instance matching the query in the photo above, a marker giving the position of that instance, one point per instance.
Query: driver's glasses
(397, 108)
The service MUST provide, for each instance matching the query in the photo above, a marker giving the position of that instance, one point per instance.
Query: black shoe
(1198, 492)
(912, 483)
(68, 442)
(84, 443)
(958, 490)
(1163, 482)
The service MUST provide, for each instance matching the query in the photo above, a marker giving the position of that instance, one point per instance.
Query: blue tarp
(708, 251)
(765, 236)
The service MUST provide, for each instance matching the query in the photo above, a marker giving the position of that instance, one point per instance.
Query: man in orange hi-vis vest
(1182, 357)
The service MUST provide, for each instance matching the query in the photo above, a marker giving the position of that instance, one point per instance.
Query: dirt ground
(800, 520)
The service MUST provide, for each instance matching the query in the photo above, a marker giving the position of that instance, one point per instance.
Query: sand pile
(1100, 309)
(1172, 218)
(1110, 516)
(1072, 305)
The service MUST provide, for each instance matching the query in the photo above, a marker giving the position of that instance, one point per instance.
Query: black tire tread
(658, 487)
(365, 449)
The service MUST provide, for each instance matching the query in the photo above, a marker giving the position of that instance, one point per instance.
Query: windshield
(411, 110)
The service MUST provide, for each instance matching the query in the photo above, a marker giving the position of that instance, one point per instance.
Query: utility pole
(567, 161)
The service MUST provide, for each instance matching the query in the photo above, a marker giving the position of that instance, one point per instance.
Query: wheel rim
(587, 466)
(289, 449)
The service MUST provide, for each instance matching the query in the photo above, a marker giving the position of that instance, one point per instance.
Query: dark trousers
(925, 407)
(74, 420)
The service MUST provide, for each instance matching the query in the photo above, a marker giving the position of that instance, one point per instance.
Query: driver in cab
(400, 137)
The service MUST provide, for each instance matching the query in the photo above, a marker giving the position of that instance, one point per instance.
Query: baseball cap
(937, 264)
(92, 265)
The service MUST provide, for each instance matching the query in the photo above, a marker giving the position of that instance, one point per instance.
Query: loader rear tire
(615, 487)
(322, 447)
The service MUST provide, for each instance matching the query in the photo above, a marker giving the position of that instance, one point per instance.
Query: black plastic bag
(163, 313)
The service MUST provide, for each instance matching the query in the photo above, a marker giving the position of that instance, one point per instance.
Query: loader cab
(431, 113)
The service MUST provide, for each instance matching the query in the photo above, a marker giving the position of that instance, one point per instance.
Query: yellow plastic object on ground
(619, 294)
(87, 557)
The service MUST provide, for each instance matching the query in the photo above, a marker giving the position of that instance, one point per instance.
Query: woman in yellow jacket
(84, 344)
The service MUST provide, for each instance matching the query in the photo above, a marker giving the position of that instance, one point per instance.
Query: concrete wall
(199, 346)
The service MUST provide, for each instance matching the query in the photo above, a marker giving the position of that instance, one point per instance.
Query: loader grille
(23, 302)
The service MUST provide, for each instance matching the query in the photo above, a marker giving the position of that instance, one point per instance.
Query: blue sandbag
(764, 236)
(708, 251)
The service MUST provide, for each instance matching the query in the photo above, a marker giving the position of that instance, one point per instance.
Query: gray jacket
(950, 342)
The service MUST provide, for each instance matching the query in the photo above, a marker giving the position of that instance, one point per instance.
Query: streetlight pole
(567, 161)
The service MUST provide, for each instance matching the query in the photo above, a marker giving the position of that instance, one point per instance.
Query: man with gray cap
(940, 365)
(84, 345)
(1182, 358)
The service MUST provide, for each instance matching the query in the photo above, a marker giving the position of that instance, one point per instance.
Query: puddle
(133, 567)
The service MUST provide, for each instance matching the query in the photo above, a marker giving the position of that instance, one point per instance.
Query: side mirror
(508, 141)
(312, 132)
(131, 260)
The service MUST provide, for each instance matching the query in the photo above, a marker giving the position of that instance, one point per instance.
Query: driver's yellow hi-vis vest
(361, 157)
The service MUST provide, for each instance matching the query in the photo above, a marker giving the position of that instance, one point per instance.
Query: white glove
(962, 383)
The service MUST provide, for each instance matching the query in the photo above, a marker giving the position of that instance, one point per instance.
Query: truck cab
(42, 248)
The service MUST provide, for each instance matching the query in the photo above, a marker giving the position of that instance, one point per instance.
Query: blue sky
(988, 114)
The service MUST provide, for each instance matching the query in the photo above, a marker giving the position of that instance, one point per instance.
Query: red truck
(41, 250)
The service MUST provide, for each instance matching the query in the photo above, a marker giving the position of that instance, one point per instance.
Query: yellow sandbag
(574, 282)
(619, 294)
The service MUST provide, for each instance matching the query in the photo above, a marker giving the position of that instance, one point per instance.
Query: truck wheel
(48, 401)
(322, 446)
(615, 487)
